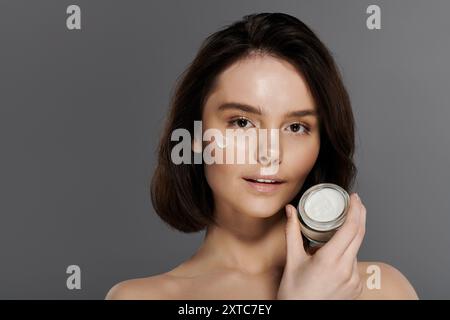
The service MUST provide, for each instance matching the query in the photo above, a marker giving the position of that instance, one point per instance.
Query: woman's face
(277, 89)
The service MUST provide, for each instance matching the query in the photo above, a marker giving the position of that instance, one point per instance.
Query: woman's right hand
(332, 272)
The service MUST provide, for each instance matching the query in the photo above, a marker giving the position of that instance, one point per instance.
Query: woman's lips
(263, 186)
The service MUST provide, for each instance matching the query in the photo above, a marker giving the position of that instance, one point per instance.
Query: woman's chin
(262, 211)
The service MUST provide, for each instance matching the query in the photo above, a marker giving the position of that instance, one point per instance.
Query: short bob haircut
(180, 193)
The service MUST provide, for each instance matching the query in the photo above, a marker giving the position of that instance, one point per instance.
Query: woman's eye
(297, 127)
(241, 122)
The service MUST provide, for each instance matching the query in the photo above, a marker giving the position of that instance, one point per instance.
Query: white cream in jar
(322, 210)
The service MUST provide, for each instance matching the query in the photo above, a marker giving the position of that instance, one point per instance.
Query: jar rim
(323, 225)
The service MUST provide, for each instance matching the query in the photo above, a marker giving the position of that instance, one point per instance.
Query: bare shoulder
(385, 282)
(157, 287)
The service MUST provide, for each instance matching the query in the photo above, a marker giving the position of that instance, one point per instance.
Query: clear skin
(256, 251)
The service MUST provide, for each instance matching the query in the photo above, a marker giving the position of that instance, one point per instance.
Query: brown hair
(180, 194)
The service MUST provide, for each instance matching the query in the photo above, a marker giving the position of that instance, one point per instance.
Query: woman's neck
(251, 245)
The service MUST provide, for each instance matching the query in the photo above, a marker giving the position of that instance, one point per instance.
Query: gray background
(81, 111)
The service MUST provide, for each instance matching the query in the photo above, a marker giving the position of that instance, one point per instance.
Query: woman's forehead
(270, 83)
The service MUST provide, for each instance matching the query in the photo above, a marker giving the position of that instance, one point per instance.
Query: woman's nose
(268, 153)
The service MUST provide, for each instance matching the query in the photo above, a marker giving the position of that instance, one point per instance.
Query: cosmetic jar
(322, 210)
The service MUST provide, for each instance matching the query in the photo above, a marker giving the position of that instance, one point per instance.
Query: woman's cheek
(299, 157)
(226, 186)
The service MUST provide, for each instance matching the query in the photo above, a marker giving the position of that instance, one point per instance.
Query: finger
(294, 242)
(355, 266)
(337, 245)
(356, 280)
(354, 246)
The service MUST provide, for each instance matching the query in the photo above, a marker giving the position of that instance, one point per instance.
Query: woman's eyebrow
(239, 106)
(255, 110)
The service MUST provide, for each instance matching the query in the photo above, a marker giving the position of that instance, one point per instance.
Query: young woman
(267, 71)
